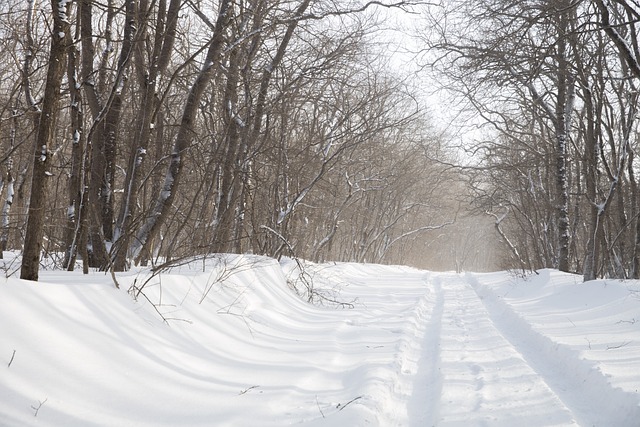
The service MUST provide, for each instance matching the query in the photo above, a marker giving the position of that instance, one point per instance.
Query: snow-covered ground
(381, 346)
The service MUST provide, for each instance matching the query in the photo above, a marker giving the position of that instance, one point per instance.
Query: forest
(143, 132)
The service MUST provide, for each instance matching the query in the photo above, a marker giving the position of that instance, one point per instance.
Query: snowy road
(494, 370)
(475, 361)
(238, 348)
(482, 378)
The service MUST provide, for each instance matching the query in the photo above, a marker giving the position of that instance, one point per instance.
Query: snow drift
(233, 341)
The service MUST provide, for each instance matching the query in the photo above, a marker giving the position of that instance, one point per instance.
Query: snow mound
(239, 347)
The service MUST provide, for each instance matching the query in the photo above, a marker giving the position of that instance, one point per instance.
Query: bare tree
(60, 39)
(552, 162)
(184, 137)
(274, 118)
(150, 72)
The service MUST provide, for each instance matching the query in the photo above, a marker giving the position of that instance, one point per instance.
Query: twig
(247, 390)
(319, 409)
(11, 361)
(618, 346)
(241, 316)
(178, 319)
(155, 307)
(38, 408)
(341, 407)
(113, 275)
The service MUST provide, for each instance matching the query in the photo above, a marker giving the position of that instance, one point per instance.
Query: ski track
(577, 382)
(483, 379)
(483, 365)
(425, 398)
(463, 357)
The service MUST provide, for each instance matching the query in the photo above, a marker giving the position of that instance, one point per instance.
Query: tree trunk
(563, 109)
(102, 139)
(230, 179)
(591, 167)
(163, 43)
(160, 209)
(4, 217)
(76, 181)
(60, 39)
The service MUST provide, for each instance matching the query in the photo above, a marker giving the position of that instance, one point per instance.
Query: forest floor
(228, 342)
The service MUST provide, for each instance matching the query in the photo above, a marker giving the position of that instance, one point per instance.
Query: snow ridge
(425, 399)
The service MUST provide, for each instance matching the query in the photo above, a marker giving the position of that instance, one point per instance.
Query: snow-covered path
(495, 370)
(405, 348)
(481, 378)
(474, 361)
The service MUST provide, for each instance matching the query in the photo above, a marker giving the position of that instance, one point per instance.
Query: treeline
(557, 84)
(138, 130)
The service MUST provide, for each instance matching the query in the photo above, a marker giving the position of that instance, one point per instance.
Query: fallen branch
(246, 390)
(38, 408)
(340, 407)
(11, 361)
(155, 307)
(618, 346)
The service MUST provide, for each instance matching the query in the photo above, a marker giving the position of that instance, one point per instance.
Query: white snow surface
(240, 347)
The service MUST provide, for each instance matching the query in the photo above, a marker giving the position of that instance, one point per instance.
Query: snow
(140, 158)
(380, 346)
(71, 212)
(62, 11)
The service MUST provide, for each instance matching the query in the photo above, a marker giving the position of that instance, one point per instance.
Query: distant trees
(174, 128)
(556, 82)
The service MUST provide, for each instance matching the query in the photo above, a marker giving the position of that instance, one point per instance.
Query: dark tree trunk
(45, 133)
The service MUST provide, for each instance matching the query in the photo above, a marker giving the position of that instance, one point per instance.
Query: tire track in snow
(577, 382)
(485, 380)
(423, 407)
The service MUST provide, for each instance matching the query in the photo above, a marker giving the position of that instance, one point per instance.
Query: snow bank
(233, 341)
(238, 347)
